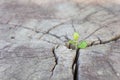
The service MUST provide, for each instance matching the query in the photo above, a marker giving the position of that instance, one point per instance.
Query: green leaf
(76, 36)
(82, 45)
(71, 42)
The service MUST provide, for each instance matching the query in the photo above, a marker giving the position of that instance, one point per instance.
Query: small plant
(81, 45)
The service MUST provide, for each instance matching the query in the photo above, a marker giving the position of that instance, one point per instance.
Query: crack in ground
(75, 65)
(94, 32)
(36, 31)
(104, 42)
(73, 26)
(56, 60)
(55, 36)
(48, 32)
(44, 33)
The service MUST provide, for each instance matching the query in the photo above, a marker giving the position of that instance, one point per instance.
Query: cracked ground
(33, 34)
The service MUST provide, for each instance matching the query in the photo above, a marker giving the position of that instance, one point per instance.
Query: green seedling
(81, 45)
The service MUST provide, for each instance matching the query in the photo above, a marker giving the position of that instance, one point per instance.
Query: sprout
(81, 45)
(76, 36)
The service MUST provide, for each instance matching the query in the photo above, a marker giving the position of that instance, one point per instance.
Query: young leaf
(71, 42)
(82, 45)
(76, 36)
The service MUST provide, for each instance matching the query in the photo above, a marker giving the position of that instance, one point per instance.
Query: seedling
(81, 45)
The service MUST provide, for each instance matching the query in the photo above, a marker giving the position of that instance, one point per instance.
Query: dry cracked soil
(33, 34)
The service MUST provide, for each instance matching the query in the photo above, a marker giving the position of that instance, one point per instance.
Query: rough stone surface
(64, 62)
(26, 61)
(100, 62)
(30, 29)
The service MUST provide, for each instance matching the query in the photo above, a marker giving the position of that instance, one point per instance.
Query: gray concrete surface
(30, 30)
